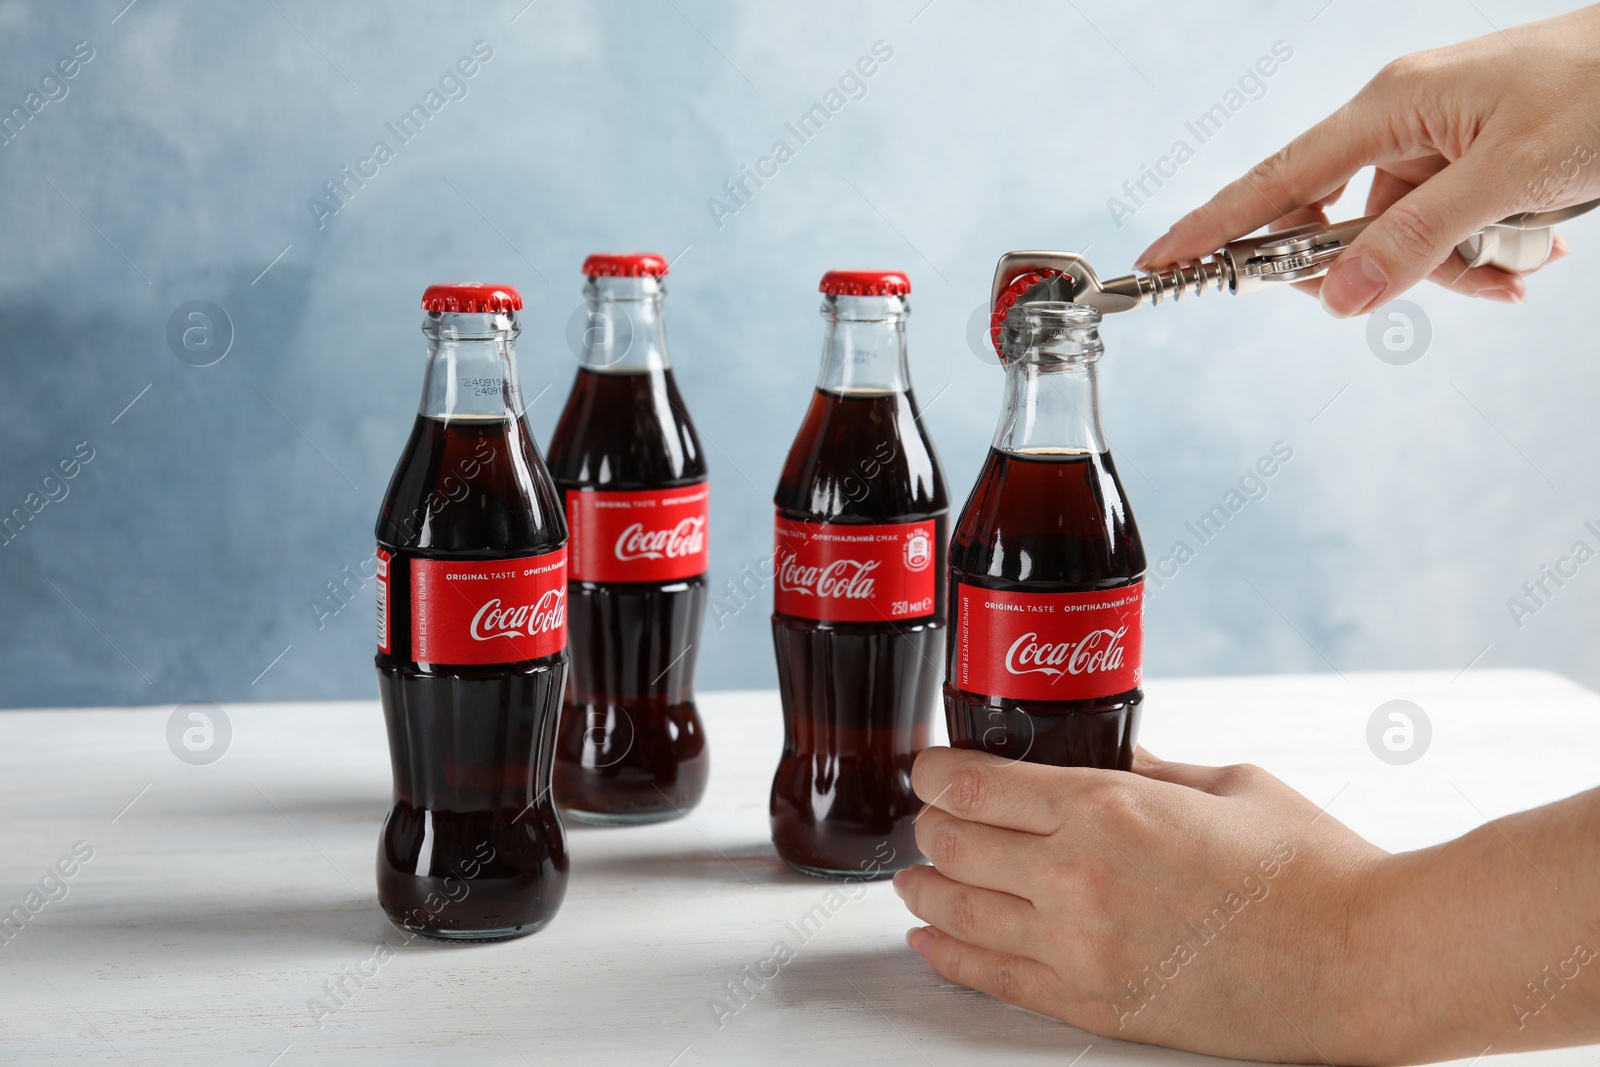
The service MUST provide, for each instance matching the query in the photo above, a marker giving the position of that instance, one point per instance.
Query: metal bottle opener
(1519, 243)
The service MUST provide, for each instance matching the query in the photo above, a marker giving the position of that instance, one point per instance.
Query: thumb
(1417, 233)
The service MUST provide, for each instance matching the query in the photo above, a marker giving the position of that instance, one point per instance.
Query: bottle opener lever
(1516, 244)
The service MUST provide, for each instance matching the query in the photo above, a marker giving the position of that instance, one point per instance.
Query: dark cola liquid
(857, 697)
(473, 848)
(1046, 522)
(631, 747)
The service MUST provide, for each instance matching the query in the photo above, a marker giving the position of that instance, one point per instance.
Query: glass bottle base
(628, 765)
(620, 818)
(853, 875)
(476, 936)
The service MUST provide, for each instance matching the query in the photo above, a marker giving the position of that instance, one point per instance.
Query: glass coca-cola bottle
(629, 466)
(472, 656)
(858, 613)
(1046, 565)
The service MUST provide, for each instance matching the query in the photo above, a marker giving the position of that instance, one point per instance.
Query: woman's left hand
(1203, 908)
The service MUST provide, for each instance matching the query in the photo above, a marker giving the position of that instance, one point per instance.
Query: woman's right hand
(1461, 137)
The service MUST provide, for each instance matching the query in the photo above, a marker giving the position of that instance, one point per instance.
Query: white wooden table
(221, 898)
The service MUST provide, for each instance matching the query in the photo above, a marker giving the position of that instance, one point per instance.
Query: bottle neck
(472, 367)
(864, 348)
(626, 331)
(1051, 407)
(1052, 400)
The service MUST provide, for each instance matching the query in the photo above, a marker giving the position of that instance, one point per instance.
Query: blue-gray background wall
(187, 553)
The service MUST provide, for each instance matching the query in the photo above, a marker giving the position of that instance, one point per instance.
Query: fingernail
(899, 883)
(920, 938)
(1502, 296)
(1354, 284)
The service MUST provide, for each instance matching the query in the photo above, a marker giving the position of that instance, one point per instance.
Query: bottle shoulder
(626, 431)
(864, 458)
(473, 488)
(1047, 519)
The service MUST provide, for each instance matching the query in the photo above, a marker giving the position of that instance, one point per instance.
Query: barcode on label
(383, 601)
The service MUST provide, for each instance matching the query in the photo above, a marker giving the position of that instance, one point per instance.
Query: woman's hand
(1215, 909)
(1205, 908)
(1461, 136)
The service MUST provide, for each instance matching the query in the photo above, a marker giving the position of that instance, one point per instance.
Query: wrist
(1375, 1017)
(1405, 980)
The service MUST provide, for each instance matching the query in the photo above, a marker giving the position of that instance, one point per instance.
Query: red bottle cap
(865, 283)
(471, 298)
(625, 265)
(1008, 300)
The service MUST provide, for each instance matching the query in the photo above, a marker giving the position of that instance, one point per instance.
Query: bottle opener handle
(1516, 244)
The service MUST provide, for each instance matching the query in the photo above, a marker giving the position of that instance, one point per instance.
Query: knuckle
(951, 959)
(946, 847)
(1201, 220)
(1390, 74)
(1270, 173)
(1405, 71)
(1410, 232)
(1095, 881)
(1007, 985)
(969, 789)
(1214, 217)
(1114, 802)
(1238, 777)
(1207, 216)
(963, 915)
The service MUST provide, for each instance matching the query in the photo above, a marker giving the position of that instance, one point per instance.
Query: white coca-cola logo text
(545, 616)
(1098, 651)
(842, 579)
(688, 538)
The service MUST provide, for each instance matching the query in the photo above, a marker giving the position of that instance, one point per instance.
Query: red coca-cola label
(646, 535)
(845, 573)
(1049, 646)
(498, 611)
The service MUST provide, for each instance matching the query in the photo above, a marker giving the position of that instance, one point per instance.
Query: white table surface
(222, 898)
